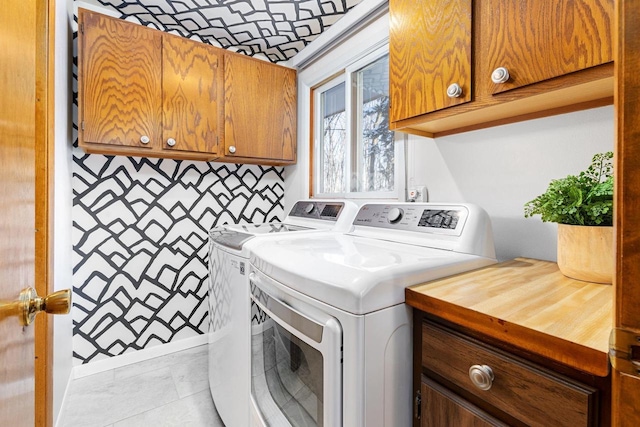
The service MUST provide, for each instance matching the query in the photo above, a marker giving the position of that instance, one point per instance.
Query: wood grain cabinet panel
(430, 49)
(120, 95)
(260, 111)
(538, 40)
(192, 95)
(558, 55)
(147, 93)
(441, 407)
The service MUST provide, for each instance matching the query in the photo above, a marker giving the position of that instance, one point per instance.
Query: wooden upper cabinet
(429, 54)
(537, 40)
(143, 92)
(192, 95)
(557, 54)
(260, 111)
(120, 75)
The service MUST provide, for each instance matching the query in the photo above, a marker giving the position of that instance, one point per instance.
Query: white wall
(62, 325)
(499, 168)
(504, 167)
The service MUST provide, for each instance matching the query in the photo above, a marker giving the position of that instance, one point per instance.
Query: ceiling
(277, 29)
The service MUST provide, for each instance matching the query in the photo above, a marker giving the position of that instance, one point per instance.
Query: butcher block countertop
(529, 304)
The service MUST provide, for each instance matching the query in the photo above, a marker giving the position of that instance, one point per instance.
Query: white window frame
(348, 76)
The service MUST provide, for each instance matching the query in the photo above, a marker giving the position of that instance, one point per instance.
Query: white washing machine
(229, 301)
(333, 346)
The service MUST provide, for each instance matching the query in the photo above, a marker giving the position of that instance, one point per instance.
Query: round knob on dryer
(481, 376)
(500, 75)
(309, 208)
(232, 149)
(171, 142)
(144, 139)
(395, 215)
(454, 91)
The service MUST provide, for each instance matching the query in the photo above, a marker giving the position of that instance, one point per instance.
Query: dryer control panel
(417, 217)
(328, 211)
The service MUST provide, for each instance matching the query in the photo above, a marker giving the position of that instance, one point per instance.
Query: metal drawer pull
(171, 142)
(481, 376)
(144, 139)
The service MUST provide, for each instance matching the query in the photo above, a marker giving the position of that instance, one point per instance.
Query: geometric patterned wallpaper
(140, 241)
(276, 28)
(140, 244)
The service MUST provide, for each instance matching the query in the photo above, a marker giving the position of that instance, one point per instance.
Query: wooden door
(429, 50)
(120, 82)
(260, 109)
(537, 40)
(192, 84)
(626, 388)
(25, 129)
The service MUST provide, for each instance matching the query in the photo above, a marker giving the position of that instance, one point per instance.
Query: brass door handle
(29, 304)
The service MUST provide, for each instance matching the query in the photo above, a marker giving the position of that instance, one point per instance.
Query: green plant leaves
(586, 199)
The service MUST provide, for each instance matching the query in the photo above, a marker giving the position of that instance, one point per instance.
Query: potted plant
(583, 208)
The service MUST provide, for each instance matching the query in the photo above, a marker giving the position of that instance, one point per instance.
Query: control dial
(309, 208)
(394, 215)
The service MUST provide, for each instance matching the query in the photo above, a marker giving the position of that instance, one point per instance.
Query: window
(355, 154)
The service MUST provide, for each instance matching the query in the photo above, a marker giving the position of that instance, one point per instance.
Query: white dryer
(229, 302)
(333, 344)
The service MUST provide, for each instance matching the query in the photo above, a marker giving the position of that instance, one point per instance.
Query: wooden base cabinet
(146, 93)
(442, 407)
(462, 381)
(457, 65)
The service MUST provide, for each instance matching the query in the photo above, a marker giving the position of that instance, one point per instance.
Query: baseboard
(138, 356)
(63, 404)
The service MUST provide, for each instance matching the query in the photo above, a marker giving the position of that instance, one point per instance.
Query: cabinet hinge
(417, 405)
(82, 125)
(624, 351)
(82, 28)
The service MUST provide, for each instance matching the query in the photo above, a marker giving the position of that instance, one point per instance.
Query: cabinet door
(442, 407)
(192, 95)
(429, 50)
(120, 95)
(537, 40)
(260, 109)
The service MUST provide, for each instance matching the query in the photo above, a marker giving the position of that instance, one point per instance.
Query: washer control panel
(328, 211)
(416, 217)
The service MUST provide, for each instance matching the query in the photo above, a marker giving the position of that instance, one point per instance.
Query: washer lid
(352, 273)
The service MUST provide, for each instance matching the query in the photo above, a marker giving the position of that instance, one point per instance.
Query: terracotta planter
(586, 252)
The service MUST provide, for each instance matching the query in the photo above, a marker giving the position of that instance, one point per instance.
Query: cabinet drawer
(528, 393)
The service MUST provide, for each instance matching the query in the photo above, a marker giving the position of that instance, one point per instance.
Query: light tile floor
(171, 390)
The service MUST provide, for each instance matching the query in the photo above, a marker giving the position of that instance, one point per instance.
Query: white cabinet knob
(171, 142)
(454, 91)
(500, 75)
(144, 139)
(481, 376)
(232, 149)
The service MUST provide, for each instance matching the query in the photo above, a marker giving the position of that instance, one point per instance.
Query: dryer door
(296, 364)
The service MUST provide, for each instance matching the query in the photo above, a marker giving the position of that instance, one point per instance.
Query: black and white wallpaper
(140, 242)
(140, 233)
(276, 28)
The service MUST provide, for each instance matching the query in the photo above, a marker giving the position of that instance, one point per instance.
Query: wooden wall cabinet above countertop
(146, 93)
(458, 65)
